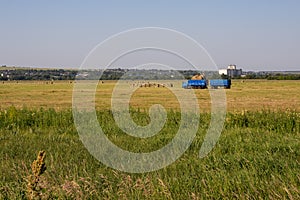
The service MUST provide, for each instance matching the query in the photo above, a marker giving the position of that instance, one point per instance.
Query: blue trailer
(220, 83)
(195, 84)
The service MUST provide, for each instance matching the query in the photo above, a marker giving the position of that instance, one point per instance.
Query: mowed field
(249, 95)
(257, 155)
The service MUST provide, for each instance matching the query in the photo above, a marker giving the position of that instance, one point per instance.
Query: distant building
(231, 71)
(223, 71)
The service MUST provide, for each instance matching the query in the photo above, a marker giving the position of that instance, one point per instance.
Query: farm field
(256, 157)
(251, 95)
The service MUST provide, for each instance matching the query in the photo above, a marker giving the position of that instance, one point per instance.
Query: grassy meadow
(256, 157)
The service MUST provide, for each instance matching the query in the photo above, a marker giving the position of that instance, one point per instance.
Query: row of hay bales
(36, 82)
(151, 84)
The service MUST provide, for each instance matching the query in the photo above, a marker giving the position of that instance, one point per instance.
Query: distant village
(8, 73)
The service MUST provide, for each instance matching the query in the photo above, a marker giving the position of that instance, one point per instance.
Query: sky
(255, 35)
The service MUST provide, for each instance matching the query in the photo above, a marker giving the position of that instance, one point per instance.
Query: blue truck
(220, 83)
(202, 84)
(195, 84)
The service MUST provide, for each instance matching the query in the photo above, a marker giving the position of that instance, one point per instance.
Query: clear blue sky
(254, 35)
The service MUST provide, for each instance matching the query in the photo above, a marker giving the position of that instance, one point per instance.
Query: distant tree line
(10, 73)
(284, 77)
(272, 76)
(36, 74)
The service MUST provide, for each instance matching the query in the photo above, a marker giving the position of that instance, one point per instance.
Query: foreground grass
(257, 157)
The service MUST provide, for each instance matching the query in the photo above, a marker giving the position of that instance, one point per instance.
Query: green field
(256, 157)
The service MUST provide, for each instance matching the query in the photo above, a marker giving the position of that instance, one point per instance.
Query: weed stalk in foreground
(38, 167)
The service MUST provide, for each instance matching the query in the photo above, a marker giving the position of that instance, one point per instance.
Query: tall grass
(257, 156)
